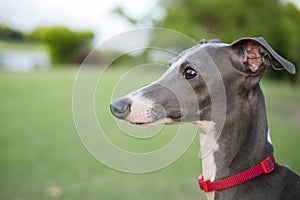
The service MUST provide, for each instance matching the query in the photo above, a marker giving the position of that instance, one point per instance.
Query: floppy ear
(256, 53)
(252, 56)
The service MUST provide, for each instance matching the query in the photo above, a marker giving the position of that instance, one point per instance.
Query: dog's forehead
(194, 53)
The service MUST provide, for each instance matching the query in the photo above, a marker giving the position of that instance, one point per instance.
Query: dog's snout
(120, 108)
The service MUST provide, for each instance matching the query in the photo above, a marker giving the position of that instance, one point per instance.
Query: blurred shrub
(65, 45)
(276, 20)
(7, 33)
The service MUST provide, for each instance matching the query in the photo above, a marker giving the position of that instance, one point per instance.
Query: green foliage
(64, 44)
(7, 33)
(119, 10)
(277, 21)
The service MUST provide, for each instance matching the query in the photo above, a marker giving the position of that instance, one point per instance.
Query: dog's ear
(256, 53)
(252, 56)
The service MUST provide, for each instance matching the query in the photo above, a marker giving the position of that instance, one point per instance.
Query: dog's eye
(189, 73)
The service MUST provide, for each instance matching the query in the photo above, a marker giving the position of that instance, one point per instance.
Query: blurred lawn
(43, 158)
(18, 46)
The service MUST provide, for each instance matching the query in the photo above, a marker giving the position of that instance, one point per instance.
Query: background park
(42, 156)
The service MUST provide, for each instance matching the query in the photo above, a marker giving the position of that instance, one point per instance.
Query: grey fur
(243, 142)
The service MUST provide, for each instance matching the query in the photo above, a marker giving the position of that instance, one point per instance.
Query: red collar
(264, 167)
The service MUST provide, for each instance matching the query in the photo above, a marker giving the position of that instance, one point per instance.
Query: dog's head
(184, 92)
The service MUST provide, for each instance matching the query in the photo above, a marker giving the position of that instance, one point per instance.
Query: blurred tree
(7, 33)
(276, 20)
(64, 44)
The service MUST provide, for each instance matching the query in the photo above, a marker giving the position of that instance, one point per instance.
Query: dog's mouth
(168, 120)
(176, 118)
(141, 123)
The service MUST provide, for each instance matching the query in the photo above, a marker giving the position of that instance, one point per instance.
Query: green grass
(18, 46)
(42, 156)
(283, 111)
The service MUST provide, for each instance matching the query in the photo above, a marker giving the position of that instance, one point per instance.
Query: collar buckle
(267, 165)
(203, 183)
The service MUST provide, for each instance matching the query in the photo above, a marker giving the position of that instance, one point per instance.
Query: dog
(239, 163)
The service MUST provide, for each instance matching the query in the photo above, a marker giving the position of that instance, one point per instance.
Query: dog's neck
(243, 142)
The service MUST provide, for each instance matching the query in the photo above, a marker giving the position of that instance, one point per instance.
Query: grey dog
(242, 142)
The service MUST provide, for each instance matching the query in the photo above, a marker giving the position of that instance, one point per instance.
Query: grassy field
(42, 156)
(19, 46)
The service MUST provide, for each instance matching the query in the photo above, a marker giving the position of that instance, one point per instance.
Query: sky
(94, 15)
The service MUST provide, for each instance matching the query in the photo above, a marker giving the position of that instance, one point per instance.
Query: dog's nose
(120, 108)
